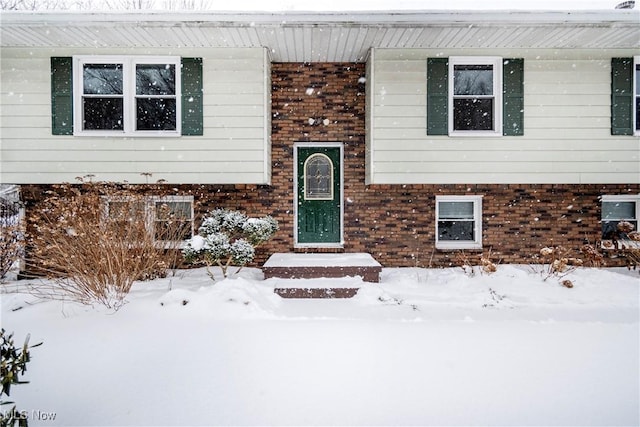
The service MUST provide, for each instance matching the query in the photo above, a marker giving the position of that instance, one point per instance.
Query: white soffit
(326, 36)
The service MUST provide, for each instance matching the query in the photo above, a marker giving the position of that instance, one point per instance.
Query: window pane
(173, 210)
(173, 220)
(473, 114)
(473, 80)
(126, 210)
(638, 112)
(102, 114)
(637, 97)
(456, 230)
(155, 79)
(455, 210)
(318, 178)
(610, 229)
(101, 79)
(618, 210)
(156, 114)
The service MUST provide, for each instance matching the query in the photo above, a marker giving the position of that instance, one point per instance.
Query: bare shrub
(625, 242)
(555, 261)
(171, 236)
(464, 261)
(92, 250)
(591, 255)
(487, 263)
(11, 237)
(483, 263)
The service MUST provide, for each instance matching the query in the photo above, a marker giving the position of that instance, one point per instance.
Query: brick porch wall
(395, 223)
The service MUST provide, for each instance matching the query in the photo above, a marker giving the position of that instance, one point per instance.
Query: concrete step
(320, 265)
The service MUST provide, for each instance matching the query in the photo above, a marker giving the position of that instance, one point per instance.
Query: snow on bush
(228, 238)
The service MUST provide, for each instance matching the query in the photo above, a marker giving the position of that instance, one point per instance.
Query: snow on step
(329, 270)
(321, 260)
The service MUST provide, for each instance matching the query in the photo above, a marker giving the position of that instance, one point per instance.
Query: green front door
(319, 195)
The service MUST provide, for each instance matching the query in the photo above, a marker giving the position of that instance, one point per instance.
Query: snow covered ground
(423, 347)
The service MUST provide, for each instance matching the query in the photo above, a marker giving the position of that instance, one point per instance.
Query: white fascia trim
(450, 17)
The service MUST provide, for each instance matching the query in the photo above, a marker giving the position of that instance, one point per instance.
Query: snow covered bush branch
(228, 238)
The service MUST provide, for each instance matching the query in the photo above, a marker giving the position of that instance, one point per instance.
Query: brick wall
(395, 223)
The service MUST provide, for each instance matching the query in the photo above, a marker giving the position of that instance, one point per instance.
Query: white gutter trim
(318, 19)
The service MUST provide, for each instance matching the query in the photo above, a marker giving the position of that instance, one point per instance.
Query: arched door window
(318, 177)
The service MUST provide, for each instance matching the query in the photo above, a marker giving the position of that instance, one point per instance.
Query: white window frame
(497, 63)
(476, 243)
(129, 94)
(625, 198)
(151, 218)
(635, 95)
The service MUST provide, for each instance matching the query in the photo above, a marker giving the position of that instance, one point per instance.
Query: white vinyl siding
(235, 147)
(567, 137)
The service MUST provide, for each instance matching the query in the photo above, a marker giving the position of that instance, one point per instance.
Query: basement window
(620, 217)
(459, 222)
(168, 219)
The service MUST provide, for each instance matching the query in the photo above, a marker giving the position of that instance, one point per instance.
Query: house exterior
(411, 136)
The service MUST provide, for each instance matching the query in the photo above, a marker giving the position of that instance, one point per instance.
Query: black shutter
(621, 96)
(437, 96)
(192, 121)
(61, 96)
(513, 97)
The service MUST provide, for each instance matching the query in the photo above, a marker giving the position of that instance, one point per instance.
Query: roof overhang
(325, 36)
